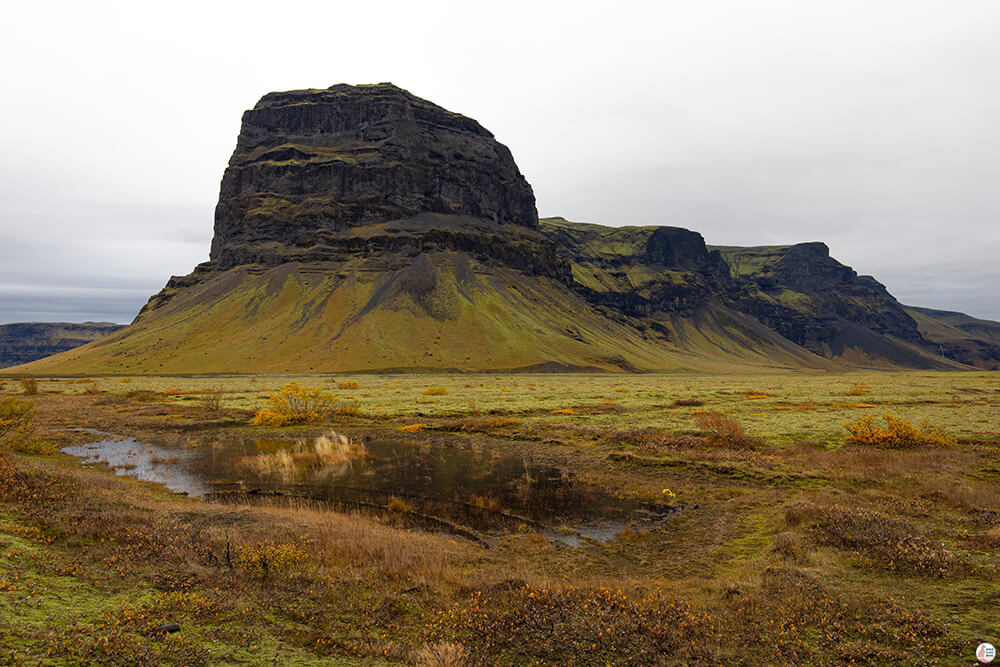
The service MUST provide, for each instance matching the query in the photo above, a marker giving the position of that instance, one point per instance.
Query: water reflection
(434, 483)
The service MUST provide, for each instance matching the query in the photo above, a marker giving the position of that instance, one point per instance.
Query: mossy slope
(442, 311)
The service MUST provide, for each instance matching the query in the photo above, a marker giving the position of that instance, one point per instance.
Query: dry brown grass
(353, 542)
(442, 654)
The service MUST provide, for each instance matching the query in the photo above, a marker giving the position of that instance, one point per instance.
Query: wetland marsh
(568, 519)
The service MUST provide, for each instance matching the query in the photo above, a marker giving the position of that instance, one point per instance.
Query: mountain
(960, 337)
(27, 341)
(361, 228)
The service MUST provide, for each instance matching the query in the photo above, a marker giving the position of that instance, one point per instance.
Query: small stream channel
(471, 492)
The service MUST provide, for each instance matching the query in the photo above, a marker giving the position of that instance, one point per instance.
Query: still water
(435, 485)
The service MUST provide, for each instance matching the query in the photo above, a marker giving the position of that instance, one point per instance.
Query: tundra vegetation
(825, 519)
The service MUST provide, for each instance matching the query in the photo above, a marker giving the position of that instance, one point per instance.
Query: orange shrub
(722, 430)
(348, 384)
(413, 428)
(435, 391)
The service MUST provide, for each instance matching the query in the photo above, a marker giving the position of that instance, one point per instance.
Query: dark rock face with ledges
(26, 341)
(324, 161)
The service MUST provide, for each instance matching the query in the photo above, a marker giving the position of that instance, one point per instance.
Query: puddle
(128, 456)
(466, 491)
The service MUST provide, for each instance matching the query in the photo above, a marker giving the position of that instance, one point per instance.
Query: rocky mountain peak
(325, 161)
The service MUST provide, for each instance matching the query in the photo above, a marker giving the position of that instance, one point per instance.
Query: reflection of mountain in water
(478, 488)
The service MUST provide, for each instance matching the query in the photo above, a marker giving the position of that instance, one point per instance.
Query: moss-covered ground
(795, 546)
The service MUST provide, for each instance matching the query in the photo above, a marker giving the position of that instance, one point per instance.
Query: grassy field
(794, 544)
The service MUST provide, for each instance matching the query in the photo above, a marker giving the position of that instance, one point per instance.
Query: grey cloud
(870, 126)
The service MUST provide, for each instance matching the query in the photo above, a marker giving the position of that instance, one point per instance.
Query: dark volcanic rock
(27, 341)
(326, 161)
(806, 295)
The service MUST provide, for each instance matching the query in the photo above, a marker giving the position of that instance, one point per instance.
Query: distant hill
(959, 336)
(361, 228)
(28, 341)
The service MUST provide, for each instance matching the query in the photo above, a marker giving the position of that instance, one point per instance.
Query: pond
(473, 492)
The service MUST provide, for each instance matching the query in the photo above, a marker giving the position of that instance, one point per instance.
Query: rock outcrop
(310, 165)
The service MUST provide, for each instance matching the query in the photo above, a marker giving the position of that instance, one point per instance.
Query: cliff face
(28, 341)
(812, 299)
(310, 165)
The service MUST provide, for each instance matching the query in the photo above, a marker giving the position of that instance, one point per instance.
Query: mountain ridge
(360, 228)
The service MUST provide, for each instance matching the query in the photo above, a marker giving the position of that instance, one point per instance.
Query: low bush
(413, 428)
(212, 401)
(897, 433)
(29, 386)
(398, 505)
(501, 422)
(719, 429)
(295, 404)
(535, 625)
(435, 391)
(271, 559)
(348, 384)
(17, 424)
(688, 403)
(886, 542)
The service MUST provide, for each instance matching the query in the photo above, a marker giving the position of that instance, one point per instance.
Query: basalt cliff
(27, 341)
(361, 228)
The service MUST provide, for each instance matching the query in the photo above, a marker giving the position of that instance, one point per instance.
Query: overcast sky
(871, 125)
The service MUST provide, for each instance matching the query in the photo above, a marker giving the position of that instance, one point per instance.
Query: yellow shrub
(564, 411)
(897, 433)
(271, 558)
(413, 428)
(295, 404)
(17, 418)
(501, 422)
(398, 505)
(348, 384)
(435, 391)
(17, 423)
